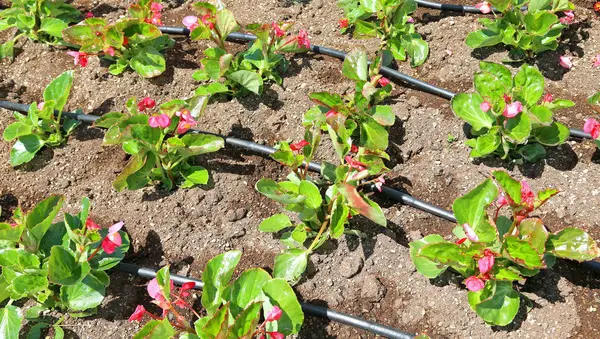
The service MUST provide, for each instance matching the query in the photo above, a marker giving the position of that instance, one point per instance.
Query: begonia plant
(511, 117)
(592, 126)
(43, 125)
(57, 266)
(159, 144)
(325, 204)
(134, 41)
(526, 33)
(231, 309)
(246, 71)
(38, 20)
(495, 250)
(390, 21)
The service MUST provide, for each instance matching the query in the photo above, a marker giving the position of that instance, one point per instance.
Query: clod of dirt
(351, 266)
(372, 289)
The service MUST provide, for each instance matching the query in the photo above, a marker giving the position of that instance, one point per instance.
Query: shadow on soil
(313, 327)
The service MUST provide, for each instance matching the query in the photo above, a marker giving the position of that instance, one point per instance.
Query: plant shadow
(315, 327)
(41, 160)
(8, 202)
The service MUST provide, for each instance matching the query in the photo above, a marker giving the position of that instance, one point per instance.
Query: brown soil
(185, 228)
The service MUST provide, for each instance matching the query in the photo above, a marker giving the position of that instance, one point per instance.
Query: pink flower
(154, 289)
(276, 335)
(354, 149)
(487, 262)
(596, 61)
(470, 232)
(502, 201)
(138, 314)
(303, 39)
(205, 20)
(155, 7)
(146, 103)
(274, 314)
(383, 81)
(355, 163)
(190, 22)
(568, 18)
(162, 121)
(89, 15)
(110, 51)
(41, 105)
(186, 121)
(343, 23)
(379, 182)
(592, 126)
(112, 239)
(80, 58)
(513, 109)
(410, 20)
(565, 62)
(474, 284)
(547, 98)
(485, 106)
(484, 7)
(460, 241)
(527, 196)
(91, 225)
(277, 30)
(330, 114)
(299, 145)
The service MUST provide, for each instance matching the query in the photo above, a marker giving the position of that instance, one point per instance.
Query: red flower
(597, 7)
(89, 15)
(138, 314)
(383, 81)
(125, 41)
(330, 114)
(186, 287)
(205, 20)
(592, 126)
(80, 58)
(146, 103)
(460, 241)
(303, 39)
(547, 98)
(112, 239)
(354, 149)
(343, 23)
(277, 30)
(355, 163)
(274, 314)
(186, 121)
(91, 225)
(299, 145)
(276, 335)
(527, 196)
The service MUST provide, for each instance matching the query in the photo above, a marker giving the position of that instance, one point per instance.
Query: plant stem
(324, 224)
(95, 252)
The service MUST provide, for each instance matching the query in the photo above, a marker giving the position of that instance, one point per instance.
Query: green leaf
(11, 318)
(246, 289)
(79, 34)
(290, 265)
(29, 284)
(355, 65)
(552, 135)
(53, 27)
(501, 307)
(225, 23)
(275, 223)
(539, 23)
(483, 38)
(540, 115)
(329, 100)
(522, 253)
(197, 144)
(40, 218)
(7, 50)
(25, 149)
(373, 136)
(36, 331)
(416, 48)
(339, 217)
(486, 144)
(574, 244)
(509, 185)
(247, 79)
(246, 322)
(311, 192)
(103, 261)
(383, 115)
(536, 5)
(471, 209)
(445, 253)
(15, 130)
(500, 72)
(279, 293)
(277, 192)
(533, 231)
(426, 267)
(64, 269)
(216, 276)
(518, 128)
(533, 152)
(148, 62)
(58, 90)
(507, 273)
(156, 329)
(194, 175)
(84, 295)
(467, 107)
(529, 82)
(217, 322)
(359, 204)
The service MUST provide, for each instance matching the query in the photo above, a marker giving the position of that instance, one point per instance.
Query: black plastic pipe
(399, 196)
(456, 8)
(386, 71)
(309, 309)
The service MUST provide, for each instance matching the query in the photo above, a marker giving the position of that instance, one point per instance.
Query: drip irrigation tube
(399, 196)
(312, 310)
(456, 8)
(386, 71)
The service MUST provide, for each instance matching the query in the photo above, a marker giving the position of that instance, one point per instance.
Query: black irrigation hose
(309, 309)
(386, 71)
(402, 197)
(455, 8)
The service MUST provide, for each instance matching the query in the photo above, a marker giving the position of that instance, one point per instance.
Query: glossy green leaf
(467, 107)
(58, 90)
(247, 79)
(277, 192)
(25, 149)
(483, 38)
(426, 267)
(530, 83)
(148, 62)
(445, 253)
(552, 135)
(311, 192)
(53, 26)
(156, 329)
(279, 293)
(64, 269)
(225, 22)
(509, 185)
(361, 205)
(246, 322)
(373, 136)
(533, 231)
(355, 66)
(216, 276)
(339, 217)
(11, 318)
(15, 130)
(518, 128)
(523, 253)
(290, 265)
(501, 307)
(246, 289)
(574, 244)
(83, 295)
(471, 209)
(275, 223)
